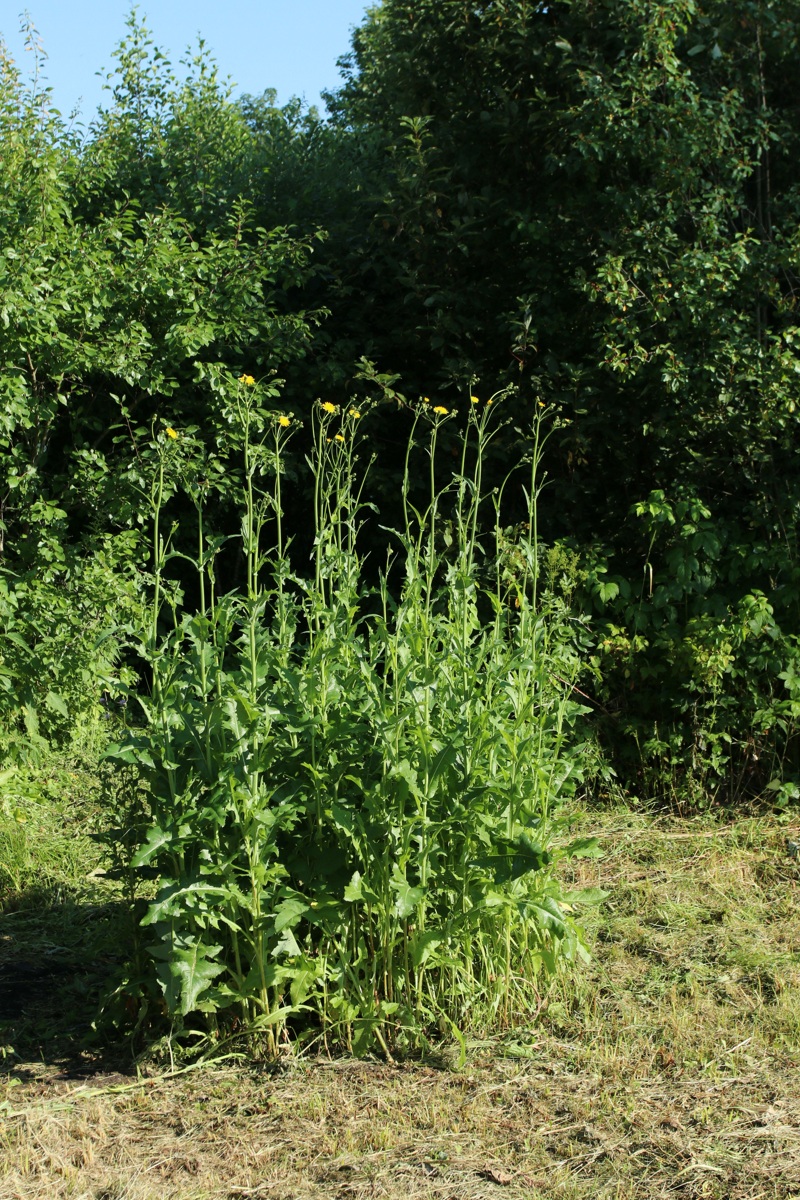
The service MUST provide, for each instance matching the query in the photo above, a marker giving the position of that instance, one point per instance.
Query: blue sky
(289, 45)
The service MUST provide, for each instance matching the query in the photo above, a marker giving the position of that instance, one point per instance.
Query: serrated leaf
(157, 838)
(289, 912)
(515, 858)
(56, 703)
(354, 889)
(187, 971)
(303, 982)
(406, 897)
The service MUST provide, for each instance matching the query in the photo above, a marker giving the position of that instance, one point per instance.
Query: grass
(666, 1068)
(63, 923)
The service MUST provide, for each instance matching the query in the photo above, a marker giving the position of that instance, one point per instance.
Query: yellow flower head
(328, 407)
(441, 410)
(541, 404)
(474, 400)
(247, 380)
(285, 422)
(339, 438)
(354, 413)
(425, 400)
(170, 432)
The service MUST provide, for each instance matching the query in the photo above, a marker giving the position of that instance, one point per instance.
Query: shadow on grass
(61, 955)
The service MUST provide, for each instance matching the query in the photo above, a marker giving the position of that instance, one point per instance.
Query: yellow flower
(354, 413)
(339, 438)
(328, 407)
(284, 421)
(171, 432)
(440, 410)
(541, 404)
(247, 380)
(474, 400)
(425, 400)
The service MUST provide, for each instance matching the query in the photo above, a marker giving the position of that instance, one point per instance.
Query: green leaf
(287, 945)
(587, 847)
(354, 890)
(56, 704)
(445, 759)
(156, 839)
(187, 969)
(550, 917)
(515, 858)
(589, 895)
(289, 912)
(343, 818)
(406, 897)
(423, 944)
(303, 980)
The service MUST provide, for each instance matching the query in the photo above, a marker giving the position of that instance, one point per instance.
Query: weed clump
(351, 795)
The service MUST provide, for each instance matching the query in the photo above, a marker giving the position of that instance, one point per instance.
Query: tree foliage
(601, 200)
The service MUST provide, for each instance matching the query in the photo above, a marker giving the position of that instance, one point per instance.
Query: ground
(666, 1068)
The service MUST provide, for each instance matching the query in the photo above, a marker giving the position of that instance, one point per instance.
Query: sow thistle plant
(352, 789)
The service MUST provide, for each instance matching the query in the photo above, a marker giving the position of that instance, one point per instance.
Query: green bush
(353, 797)
(60, 646)
(698, 668)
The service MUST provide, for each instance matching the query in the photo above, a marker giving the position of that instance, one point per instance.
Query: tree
(119, 313)
(600, 200)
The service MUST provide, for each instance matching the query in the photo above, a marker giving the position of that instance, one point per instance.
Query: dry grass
(669, 1068)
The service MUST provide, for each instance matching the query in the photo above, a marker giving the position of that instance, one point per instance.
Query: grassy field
(669, 1067)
